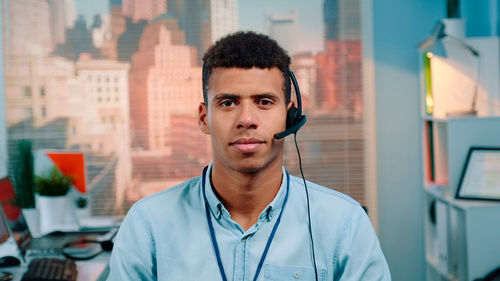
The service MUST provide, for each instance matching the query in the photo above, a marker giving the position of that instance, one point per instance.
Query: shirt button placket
(240, 260)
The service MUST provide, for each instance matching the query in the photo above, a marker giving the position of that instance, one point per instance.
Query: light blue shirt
(165, 236)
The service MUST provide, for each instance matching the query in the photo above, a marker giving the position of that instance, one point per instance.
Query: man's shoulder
(170, 196)
(322, 193)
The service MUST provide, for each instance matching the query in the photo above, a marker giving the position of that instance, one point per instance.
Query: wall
(398, 27)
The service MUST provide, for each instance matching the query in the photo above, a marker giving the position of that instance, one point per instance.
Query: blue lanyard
(214, 239)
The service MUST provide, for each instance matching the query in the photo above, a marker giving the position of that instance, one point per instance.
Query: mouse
(9, 261)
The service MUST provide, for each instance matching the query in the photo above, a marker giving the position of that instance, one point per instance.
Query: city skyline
(124, 87)
(252, 16)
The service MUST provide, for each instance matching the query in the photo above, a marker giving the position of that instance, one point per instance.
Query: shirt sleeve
(133, 256)
(361, 257)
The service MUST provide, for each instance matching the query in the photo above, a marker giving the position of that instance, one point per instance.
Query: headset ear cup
(291, 117)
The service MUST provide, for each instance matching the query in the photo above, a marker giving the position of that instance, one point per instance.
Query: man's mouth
(247, 145)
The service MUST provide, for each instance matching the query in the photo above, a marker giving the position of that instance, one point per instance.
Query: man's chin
(252, 166)
(248, 168)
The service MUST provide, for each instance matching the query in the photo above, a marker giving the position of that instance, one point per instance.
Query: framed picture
(480, 179)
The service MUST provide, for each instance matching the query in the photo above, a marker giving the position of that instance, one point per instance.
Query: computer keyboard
(48, 269)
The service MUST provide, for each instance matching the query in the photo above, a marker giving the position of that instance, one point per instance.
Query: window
(325, 47)
(27, 91)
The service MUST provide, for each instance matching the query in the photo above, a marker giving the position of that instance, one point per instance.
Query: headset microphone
(294, 121)
(294, 118)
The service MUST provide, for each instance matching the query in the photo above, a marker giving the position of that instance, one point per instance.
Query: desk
(91, 270)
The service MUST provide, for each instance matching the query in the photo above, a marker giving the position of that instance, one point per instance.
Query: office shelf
(462, 237)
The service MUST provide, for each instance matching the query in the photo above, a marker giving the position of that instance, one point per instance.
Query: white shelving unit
(462, 236)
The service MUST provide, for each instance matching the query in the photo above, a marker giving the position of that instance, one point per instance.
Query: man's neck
(245, 195)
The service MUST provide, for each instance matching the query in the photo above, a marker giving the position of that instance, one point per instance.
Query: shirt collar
(217, 208)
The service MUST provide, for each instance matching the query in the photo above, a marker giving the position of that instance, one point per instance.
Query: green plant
(52, 183)
(23, 178)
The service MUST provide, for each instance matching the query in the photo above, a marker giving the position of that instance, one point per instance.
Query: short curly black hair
(246, 50)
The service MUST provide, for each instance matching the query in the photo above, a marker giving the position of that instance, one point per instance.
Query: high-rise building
(164, 80)
(339, 66)
(165, 91)
(223, 18)
(205, 21)
(70, 13)
(128, 42)
(36, 89)
(117, 26)
(342, 19)
(62, 17)
(78, 41)
(331, 19)
(105, 126)
(143, 9)
(284, 28)
(101, 30)
(339, 78)
(304, 67)
(27, 28)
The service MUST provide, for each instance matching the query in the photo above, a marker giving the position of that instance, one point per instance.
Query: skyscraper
(78, 41)
(342, 19)
(283, 28)
(36, 89)
(164, 79)
(27, 30)
(339, 66)
(205, 21)
(165, 91)
(143, 9)
(223, 18)
(62, 17)
(105, 126)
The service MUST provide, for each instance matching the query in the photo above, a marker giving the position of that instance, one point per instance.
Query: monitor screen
(4, 232)
(13, 215)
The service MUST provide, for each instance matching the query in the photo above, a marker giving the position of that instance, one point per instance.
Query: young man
(245, 217)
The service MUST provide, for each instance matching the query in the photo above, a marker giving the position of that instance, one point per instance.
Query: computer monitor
(14, 216)
(4, 231)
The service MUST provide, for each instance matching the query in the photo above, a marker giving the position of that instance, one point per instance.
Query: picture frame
(480, 178)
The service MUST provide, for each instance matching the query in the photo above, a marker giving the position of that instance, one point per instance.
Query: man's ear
(290, 104)
(203, 118)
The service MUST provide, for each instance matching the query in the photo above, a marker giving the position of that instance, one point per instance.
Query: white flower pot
(52, 211)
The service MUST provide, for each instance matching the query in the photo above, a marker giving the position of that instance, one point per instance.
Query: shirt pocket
(292, 273)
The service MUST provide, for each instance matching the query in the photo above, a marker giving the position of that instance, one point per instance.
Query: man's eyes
(259, 102)
(227, 103)
(265, 102)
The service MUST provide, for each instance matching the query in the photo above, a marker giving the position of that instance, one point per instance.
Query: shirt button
(296, 275)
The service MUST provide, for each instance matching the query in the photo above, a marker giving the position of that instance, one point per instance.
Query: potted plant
(51, 187)
(82, 207)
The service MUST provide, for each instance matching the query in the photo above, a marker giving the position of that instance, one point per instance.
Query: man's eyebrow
(220, 97)
(266, 96)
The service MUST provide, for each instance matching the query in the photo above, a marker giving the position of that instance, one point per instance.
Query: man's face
(246, 107)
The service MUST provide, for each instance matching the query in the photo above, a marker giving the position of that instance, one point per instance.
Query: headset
(294, 121)
(294, 118)
(85, 249)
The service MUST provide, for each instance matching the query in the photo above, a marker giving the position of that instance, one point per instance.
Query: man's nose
(247, 117)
